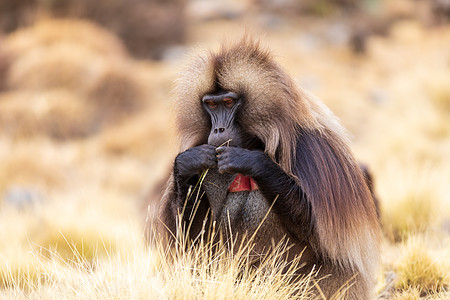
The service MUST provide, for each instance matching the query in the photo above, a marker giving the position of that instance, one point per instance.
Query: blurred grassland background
(87, 134)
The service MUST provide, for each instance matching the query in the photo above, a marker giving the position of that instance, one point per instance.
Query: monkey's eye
(229, 102)
(211, 104)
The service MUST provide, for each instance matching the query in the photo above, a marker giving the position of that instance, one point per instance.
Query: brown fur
(345, 219)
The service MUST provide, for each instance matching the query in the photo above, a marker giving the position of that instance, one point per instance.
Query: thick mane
(345, 216)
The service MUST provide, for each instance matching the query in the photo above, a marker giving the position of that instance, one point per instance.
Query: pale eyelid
(229, 102)
(211, 104)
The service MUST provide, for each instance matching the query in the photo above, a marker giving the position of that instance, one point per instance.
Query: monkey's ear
(344, 214)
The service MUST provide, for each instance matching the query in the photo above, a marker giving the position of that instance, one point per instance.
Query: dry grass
(439, 92)
(422, 269)
(414, 204)
(208, 271)
(411, 294)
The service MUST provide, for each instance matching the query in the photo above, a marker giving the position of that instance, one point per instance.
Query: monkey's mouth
(228, 140)
(227, 143)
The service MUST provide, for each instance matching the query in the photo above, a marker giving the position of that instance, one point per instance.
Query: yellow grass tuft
(22, 274)
(409, 294)
(414, 213)
(415, 294)
(75, 242)
(439, 92)
(211, 271)
(420, 269)
(417, 210)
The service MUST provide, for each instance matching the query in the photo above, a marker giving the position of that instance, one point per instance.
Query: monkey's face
(222, 108)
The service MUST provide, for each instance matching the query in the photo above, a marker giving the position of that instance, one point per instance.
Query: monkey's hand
(273, 182)
(195, 160)
(239, 160)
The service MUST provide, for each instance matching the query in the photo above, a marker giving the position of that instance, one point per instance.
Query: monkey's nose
(218, 136)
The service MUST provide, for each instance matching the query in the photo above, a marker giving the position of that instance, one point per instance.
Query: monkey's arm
(272, 181)
(189, 165)
(187, 168)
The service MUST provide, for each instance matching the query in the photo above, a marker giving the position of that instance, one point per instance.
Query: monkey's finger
(224, 156)
(208, 148)
(222, 149)
(219, 150)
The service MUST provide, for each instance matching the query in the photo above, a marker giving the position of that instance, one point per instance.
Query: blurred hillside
(146, 27)
(87, 135)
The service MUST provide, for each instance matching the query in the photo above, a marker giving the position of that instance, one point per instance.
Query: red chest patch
(242, 183)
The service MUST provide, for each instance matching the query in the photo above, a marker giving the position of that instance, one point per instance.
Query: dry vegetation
(87, 136)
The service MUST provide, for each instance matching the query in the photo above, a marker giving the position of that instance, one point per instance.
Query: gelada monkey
(270, 148)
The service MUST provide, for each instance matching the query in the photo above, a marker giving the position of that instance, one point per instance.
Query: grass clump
(413, 203)
(73, 243)
(410, 294)
(412, 214)
(439, 92)
(212, 271)
(23, 273)
(420, 270)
